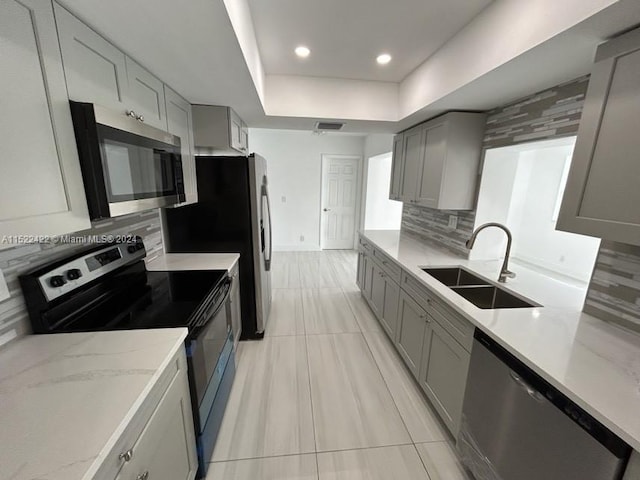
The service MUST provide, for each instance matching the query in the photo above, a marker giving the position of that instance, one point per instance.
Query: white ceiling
(345, 37)
(197, 48)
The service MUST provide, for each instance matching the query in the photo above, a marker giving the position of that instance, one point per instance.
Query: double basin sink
(477, 290)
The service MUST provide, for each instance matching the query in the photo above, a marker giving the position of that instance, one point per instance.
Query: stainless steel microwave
(127, 166)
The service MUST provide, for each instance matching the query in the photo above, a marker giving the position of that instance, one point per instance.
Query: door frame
(324, 162)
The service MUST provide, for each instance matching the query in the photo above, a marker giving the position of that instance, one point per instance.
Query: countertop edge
(124, 423)
(601, 417)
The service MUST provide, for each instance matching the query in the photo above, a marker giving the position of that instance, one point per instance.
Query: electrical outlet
(302, 238)
(4, 290)
(284, 199)
(453, 222)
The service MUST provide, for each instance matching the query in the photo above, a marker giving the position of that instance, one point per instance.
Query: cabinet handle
(141, 118)
(382, 275)
(143, 476)
(126, 456)
(132, 114)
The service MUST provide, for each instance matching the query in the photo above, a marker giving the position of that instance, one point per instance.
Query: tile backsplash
(432, 225)
(614, 292)
(14, 319)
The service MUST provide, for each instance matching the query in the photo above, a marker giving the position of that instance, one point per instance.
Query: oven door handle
(216, 307)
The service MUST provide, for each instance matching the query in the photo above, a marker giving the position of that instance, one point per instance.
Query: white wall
(520, 187)
(380, 212)
(294, 169)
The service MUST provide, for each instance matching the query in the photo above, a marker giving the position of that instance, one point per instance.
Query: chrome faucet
(504, 273)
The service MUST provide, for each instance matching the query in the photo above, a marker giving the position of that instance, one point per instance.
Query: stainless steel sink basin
(491, 297)
(455, 276)
(481, 292)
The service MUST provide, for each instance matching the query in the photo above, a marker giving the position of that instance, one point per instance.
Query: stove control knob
(74, 274)
(57, 281)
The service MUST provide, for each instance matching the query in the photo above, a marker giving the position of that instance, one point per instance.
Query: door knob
(326, 209)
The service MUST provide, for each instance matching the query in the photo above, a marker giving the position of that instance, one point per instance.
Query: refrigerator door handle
(265, 194)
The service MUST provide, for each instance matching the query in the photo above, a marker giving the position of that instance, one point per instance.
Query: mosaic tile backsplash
(432, 225)
(14, 319)
(614, 292)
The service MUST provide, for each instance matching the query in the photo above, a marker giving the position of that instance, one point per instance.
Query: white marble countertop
(594, 363)
(66, 398)
(169, 262)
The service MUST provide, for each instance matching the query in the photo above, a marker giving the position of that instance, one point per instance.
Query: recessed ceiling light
(383, 59)
(302, 51)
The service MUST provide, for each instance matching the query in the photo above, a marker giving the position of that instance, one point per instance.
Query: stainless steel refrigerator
(232, 215)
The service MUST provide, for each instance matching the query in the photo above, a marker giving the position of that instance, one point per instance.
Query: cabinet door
(235, 131)
(180, 123)
(360, 271)
(166, 446)
(368, 277)
(244, 138)
(389, 314)
(602, 194)
(41, 190)
(412, 323)
(377, 290)
(413, 154)
(236, 311)
(431, 168)
(397, 165)
(146, 95)
(95, 70)
(443, 374)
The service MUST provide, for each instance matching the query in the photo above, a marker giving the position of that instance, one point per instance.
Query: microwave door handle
(267, 261)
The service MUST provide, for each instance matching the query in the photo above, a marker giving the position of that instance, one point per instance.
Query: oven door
(207, 354)
(127, 166)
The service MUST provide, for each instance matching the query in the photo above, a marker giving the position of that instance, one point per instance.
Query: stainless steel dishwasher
(516, 426)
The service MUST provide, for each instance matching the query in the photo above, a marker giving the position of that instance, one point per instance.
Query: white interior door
(339, 201)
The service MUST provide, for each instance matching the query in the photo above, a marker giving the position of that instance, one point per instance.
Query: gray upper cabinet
(41, 190)
(413, 153)
(146, 95)
(180, 123)
(219, 130)
(98, 72)
(398, 165)
(602, 196)
(439, 161)
(95, 69)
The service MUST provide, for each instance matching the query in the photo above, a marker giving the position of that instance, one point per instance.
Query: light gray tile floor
(325, 396)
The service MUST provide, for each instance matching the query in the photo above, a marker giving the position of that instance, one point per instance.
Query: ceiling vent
(334, 126)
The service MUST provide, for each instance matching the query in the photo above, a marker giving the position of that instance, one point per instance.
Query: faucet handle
(506, 274)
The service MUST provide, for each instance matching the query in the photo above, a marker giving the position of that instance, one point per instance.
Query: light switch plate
(453, 222)
(4, 290)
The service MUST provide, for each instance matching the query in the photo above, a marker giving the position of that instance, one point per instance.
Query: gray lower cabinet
(384, 299)
(368, 277)
(360, 271)
(165, 448)
(602, 195)
(236, 310)
(443, 374)
(41, 189)
(412, 324)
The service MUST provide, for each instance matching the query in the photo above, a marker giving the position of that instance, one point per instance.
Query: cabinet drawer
(456, 325)
(365, 245)
(387, 265)
(112, 462)
(418, 291)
